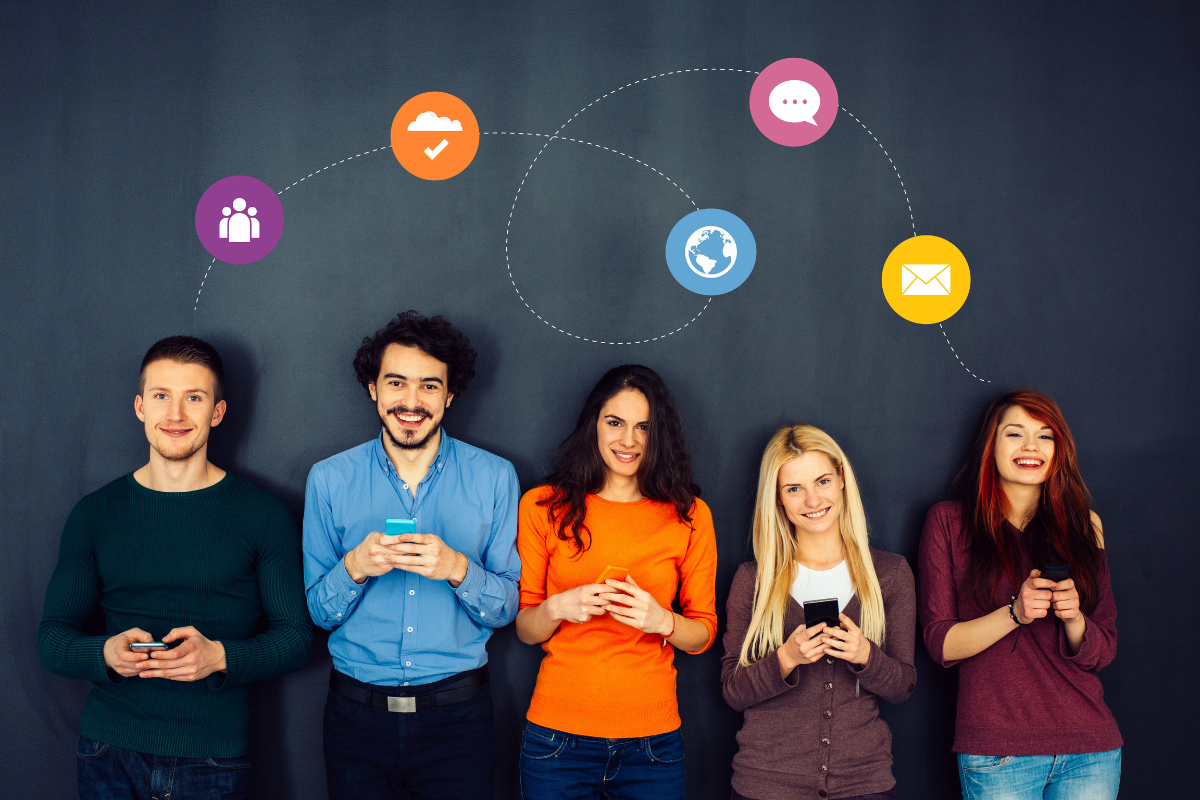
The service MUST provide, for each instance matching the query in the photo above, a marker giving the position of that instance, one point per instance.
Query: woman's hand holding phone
(848, 642)
(636, 607)
(579, 604)
(804, 646)
(1033, 600)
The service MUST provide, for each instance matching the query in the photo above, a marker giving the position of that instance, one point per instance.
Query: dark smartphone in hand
(1056, 572)
(821, 611)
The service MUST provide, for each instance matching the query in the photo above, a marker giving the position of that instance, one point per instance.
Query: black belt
(409, 699)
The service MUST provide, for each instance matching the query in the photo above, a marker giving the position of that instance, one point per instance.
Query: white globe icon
(710, 251)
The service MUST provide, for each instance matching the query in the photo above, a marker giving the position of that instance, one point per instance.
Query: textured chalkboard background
(1054, 145)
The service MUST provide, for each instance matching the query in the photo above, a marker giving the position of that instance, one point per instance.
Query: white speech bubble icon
(795, 101)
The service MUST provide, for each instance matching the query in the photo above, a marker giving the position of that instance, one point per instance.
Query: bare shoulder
(1099, 529)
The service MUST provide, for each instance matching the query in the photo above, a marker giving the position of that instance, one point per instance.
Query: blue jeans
(108, 772)
(563, 766)
(1084, 776)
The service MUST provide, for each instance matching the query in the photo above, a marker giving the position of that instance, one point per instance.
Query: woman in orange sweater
(604, 716)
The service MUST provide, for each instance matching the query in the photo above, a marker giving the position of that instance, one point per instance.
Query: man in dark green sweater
(183, 553)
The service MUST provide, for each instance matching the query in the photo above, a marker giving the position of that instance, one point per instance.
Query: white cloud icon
(430, 121)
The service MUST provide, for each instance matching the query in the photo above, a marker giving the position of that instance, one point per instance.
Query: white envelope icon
(925, 279)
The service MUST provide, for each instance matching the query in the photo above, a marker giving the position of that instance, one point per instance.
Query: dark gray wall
(1054, 146)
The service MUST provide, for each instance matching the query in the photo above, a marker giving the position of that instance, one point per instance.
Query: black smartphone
(1056, 572)
(821, 611)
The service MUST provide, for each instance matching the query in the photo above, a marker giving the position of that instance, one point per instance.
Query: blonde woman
(810, 693)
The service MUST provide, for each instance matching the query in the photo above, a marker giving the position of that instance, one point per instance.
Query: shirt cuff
(472, 585)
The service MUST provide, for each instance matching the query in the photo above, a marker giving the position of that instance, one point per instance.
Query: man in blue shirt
(409, 711)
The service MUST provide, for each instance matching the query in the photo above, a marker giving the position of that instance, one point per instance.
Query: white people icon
(240, 227)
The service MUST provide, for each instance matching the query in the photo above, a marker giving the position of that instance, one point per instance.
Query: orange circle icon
(435, 136)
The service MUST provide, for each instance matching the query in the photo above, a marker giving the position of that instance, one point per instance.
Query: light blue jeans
(1082, 776)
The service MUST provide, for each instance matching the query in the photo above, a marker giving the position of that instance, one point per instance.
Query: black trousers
(440, 753)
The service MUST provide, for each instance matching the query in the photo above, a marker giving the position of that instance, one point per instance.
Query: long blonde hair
(776, 549)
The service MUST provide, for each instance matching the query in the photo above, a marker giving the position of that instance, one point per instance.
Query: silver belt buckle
(404, 705)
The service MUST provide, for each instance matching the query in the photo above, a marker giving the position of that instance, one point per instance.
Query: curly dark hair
(434, 336)
(665, 475)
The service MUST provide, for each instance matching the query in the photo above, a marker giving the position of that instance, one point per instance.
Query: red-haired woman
(1032, 722)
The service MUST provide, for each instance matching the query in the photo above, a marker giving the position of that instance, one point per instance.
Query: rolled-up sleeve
(490, 591)
(938, 591)
(332, 594)
(1099, 645)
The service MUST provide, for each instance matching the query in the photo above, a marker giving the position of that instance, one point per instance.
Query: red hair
(1061, 529)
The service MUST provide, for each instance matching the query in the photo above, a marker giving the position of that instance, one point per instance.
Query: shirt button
(822, 769)
(412, 591)
(464, 594)
(352, 592)
(483, 613)
(828, 687)
(826, 713)
(828, 660)
(339, 613)
(822, 793)
(408, 663)
(410, 630)
(406, 683)
(911, 686)
(825, 743)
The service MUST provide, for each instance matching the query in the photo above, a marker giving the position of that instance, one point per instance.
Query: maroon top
(1036, 700)
(817, 733)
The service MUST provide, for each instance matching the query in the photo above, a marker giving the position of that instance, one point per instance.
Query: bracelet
(1012, 613)
(672, 633)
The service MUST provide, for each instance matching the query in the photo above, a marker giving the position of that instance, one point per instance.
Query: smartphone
(146, 647)
(615, 573)
(1056, 572)
(395, 527)
(821, 611)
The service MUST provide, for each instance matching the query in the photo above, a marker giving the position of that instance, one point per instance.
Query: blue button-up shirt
(402, 628)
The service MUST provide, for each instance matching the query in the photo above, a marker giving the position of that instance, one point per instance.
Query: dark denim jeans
(108, 772)
(440, 752)
(563, 766)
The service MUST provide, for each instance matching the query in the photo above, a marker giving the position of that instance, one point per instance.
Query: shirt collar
(444, 455)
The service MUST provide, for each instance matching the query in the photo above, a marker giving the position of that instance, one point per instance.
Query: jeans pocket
(241, 762)
(666, 748)
(971, 763)
(542, 744)
(90, 748)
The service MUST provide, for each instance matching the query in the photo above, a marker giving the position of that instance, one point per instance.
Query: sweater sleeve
(744, 687)
(286, 643)
(71, 599)
(939, 595)
(1099, 645)
(889, 672)
(531, 548)
(698, 574)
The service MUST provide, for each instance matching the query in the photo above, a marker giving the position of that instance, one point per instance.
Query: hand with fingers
(1064, 600)
(371, 558)
(848, 642)
(119, 658)
(1033, 600)
(804, 646)
(637, 608)
(195, 659)
(427, 555)
(577, 605)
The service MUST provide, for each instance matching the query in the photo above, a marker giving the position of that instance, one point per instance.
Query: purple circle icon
(239, 219)
(793, 102)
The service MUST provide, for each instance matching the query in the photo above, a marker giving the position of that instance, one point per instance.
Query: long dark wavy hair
(1061, 529)
(665, 473)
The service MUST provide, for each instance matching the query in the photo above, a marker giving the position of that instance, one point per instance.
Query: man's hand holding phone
(119, 658)
(195, 659)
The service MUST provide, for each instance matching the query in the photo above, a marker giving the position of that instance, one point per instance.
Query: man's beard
(182, 455)
(409, 443)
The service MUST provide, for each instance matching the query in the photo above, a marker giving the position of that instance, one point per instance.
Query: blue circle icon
(710, 252)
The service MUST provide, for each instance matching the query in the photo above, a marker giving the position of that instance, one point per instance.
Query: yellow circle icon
(926, 279)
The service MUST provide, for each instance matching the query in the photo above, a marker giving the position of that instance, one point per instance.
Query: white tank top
(811, 584)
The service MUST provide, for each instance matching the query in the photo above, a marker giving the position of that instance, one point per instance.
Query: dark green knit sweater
(226, 560)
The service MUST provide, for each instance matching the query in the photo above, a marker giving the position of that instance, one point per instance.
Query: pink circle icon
(239, 219)
(793, 102)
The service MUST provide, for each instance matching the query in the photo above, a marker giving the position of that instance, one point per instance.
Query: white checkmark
(434, 152)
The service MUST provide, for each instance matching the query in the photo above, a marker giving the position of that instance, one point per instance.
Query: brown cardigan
(818, 734)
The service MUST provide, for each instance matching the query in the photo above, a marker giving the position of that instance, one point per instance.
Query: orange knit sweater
(603, 678)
